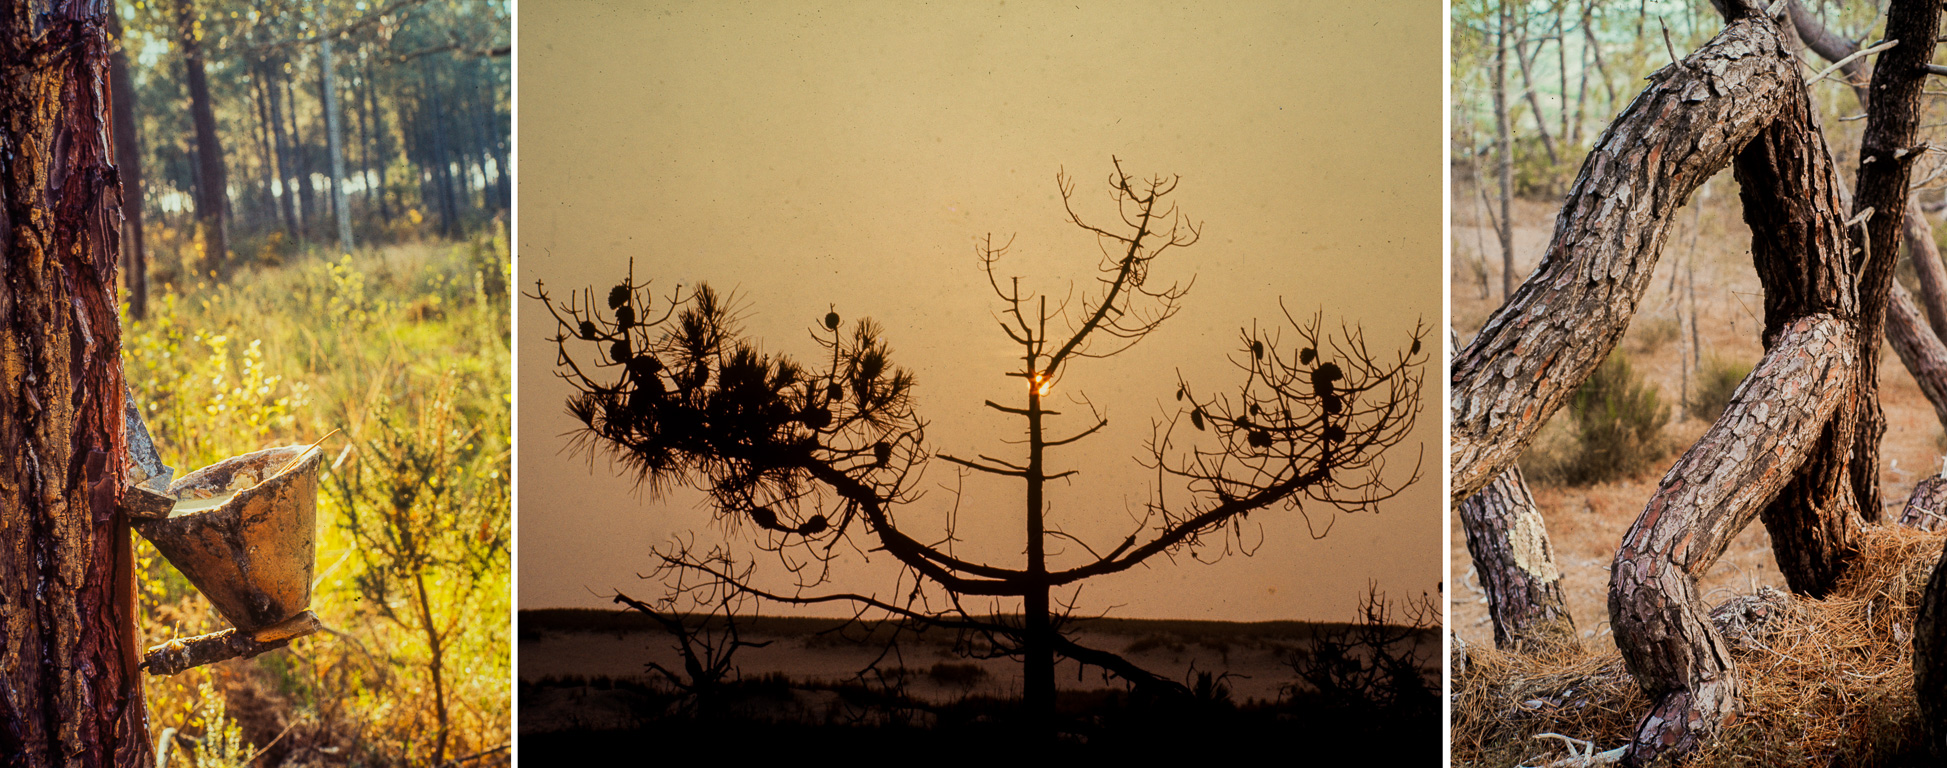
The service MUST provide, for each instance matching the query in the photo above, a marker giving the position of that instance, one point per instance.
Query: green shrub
(1648, 335)
(1614, 430)
(1716, 380)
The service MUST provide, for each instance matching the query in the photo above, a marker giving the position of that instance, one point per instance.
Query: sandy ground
(1585, 524)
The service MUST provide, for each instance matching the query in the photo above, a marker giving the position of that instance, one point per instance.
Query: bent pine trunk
(1571, 312)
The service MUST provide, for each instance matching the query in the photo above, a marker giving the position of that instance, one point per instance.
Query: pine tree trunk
(308, 215)
(1919, 349)
(212, 182)
(288, 205)
(1572, 311)
(70, 693)
(1779, 450)
(1038, 672)
(128, 163)
(1516, 564)
(335, 141)
(1886, 156)
(1661, 625)
(1930, 660)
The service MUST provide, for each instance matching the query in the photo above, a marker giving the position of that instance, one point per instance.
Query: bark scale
(70, 693)
(1508, 540)
(1774, 422)
(1572, 311)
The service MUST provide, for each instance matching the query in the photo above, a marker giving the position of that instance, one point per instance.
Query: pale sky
(851, 154)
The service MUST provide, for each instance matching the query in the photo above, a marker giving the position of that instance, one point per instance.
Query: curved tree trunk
(1799, 442)
(1791, 200)
(1774, 422)
(70, 694)
(1917, 234)
(1781, 449)
(1572, 311)
(1919, 349)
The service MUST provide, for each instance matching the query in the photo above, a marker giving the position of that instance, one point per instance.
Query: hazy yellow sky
(849, 154)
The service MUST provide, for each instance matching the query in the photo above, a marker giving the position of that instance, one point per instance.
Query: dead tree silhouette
(1798, 446)
(820, 459)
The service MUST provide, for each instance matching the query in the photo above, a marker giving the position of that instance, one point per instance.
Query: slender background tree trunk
(212, 182)
(128, 161)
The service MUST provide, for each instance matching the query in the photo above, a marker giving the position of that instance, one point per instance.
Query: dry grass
(1824, 682)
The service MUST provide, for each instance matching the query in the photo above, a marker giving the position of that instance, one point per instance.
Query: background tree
(284, 122)
(822, 457)
(128, 164)
(212, 174)
(72, 694)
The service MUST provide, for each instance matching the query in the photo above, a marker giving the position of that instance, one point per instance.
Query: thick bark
(70, 694)
(1780, 450)
(1509, 543)
(1919, 349)
(1886, 156)
(1571, 312)
(1930, 660)
(1662, 627)
(212, 181)
(1791, 203)
(128, 164)
(1926, 508)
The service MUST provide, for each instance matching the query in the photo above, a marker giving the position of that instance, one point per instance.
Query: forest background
(317, 198)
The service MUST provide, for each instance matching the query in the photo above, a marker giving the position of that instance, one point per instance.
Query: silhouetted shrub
(965, 675)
